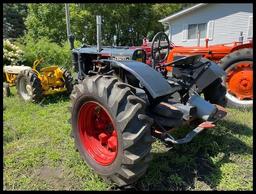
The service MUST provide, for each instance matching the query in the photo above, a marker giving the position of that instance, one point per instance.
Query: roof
(178, 14)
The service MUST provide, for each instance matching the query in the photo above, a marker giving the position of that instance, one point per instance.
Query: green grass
(39, 153)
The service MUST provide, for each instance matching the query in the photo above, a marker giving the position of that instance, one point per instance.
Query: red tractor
(235, 58)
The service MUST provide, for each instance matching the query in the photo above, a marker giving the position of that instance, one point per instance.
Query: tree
(13, 19)
(46, 20)
(129, 22)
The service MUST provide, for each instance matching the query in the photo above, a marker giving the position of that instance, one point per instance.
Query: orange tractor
(235, 58)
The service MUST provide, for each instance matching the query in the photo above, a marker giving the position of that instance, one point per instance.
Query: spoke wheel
(160, 48)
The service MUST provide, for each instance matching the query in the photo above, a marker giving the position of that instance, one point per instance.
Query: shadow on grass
(236, 128)
(54, 98)
(181, 166)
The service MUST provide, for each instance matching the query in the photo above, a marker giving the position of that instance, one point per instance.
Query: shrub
(52, 53)
(12, 54)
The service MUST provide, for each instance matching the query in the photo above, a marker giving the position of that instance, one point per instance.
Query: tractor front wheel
(239, 79)
(29, 86)
(6, 90)
(111, 131)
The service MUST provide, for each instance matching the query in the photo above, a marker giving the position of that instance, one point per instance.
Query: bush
(52, 53)
(12, 53)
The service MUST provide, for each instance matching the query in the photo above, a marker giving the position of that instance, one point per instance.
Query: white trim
(210, 30)
(192, 40)
(185, 32)
(250, 24)
(185, 11)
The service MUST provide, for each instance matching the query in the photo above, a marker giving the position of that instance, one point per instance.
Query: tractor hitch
(167, 138)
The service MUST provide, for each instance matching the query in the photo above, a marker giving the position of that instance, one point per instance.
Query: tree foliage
(13, 19)
(46, 20)
(51, 52)
(129, 22)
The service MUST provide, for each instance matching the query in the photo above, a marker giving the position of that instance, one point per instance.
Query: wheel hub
(97, 132)
(240, 81)
(4, 91)
(29, 89)
(25, 89)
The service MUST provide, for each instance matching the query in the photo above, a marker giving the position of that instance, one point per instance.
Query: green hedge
(52, 53)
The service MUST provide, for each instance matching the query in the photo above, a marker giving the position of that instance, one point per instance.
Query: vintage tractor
(32, 84)
(120, 105)
(10, 74)
(235, 58)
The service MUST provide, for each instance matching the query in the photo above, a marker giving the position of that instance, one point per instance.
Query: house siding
(229, 21)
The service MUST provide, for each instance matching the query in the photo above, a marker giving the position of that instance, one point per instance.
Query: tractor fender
(247, 45)
(149, 78)
(212, 73)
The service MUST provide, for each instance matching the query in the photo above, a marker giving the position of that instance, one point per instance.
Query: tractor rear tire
(127, 117)
(228, 62)
(29, 86)
(6, 90)
(68, 80)
(215, 93)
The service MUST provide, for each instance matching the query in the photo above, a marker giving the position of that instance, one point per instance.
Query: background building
(220, 23)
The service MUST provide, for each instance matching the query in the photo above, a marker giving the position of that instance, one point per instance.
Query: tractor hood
(106, 50)
(116, 53)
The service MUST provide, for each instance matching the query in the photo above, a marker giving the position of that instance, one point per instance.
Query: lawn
(39, 153)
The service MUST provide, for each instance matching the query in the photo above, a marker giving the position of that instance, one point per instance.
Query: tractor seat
(183, 62)
(49, 69)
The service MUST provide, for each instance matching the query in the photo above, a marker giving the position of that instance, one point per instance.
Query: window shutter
(210, 29)
(185, 32)
(249, 33)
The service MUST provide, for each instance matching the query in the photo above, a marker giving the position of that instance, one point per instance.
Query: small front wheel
(29, 86)
(6, 90)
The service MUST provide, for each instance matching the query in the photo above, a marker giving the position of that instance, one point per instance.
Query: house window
(193, 30)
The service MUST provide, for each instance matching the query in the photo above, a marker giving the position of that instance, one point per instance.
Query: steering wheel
(160, 43)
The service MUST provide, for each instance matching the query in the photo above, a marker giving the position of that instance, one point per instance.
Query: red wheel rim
(239, 81)
(97, 133)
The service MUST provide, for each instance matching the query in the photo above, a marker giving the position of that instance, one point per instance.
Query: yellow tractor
(32, 84)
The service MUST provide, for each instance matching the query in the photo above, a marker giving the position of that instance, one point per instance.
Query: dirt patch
(46, 173)
(53, 177)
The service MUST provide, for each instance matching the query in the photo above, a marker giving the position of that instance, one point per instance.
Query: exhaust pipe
(70, 36)
(98, 21)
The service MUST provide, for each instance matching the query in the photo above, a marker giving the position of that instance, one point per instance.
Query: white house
(219, 22)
